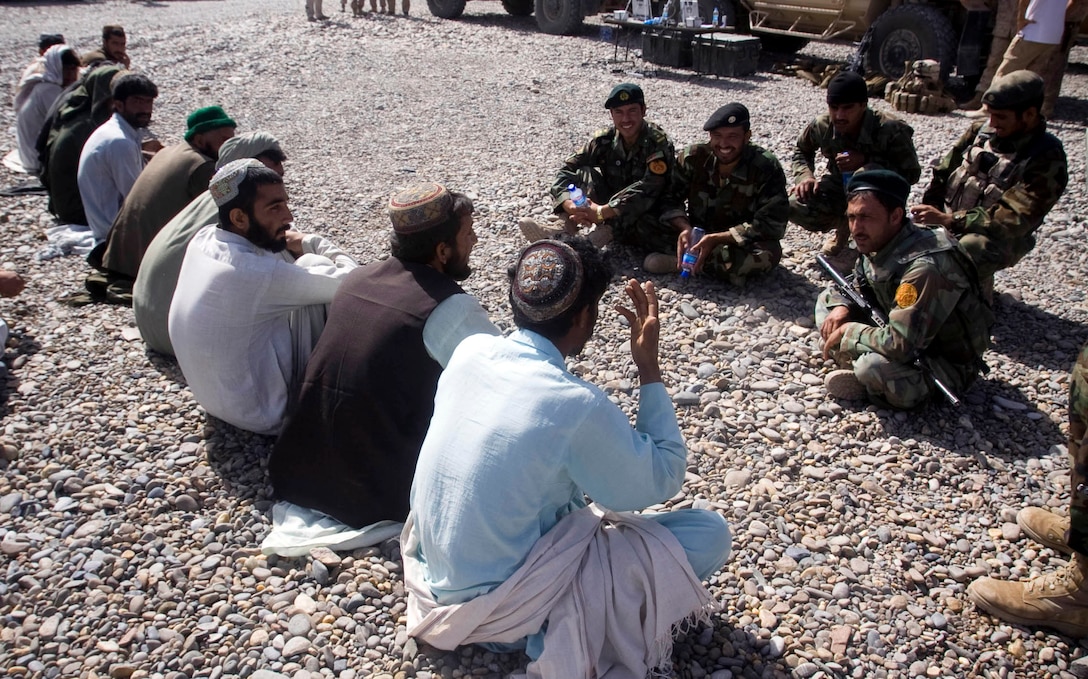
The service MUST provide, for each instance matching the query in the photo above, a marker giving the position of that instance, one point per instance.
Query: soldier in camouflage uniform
(925, 284)
(1058, 599)
(1000, 180)
(851, 137)
(734, 190)
(624, 171)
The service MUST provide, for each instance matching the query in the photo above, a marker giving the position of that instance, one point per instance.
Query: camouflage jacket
(925, 283)
(632, 180)
(886, 142)
(750, 203)
(1043, 174)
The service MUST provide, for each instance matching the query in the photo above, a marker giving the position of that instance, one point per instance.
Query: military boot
(1058, 600)
(1045, 527)
(659, 263)
(836, 241)
(600, 236)
(844, 384)
(534, 230)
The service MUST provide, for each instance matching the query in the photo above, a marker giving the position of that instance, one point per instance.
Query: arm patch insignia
(658, 167)
(906, 295)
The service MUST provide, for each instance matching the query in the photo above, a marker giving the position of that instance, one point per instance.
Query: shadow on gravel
(25, 345)
(513, 23)
(1033, 337)
(746, 660)
(1071, 109)
(240, 459)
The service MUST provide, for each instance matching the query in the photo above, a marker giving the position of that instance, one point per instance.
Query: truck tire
(559, 17)
(908, 33)
(518, 8)
(446, 9)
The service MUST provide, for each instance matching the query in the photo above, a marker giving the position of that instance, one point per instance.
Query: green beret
(1016, 91)
(881, 181)
(730, 115)
(623, 94)
(205, 119)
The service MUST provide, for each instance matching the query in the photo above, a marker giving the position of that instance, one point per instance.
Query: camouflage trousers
(991, 255)
(825, 211)
(643, 231)
(735, 264)
(904, 386)
(1078, 451)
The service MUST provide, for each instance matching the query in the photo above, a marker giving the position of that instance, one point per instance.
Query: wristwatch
(600, 214)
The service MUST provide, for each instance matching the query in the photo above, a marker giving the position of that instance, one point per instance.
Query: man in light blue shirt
(517, 442)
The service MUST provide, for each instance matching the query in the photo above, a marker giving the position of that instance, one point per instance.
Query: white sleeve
(454, 319)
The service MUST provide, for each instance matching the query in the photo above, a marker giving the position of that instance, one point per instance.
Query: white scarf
(50, 71)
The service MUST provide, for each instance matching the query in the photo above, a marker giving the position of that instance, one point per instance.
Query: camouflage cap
(420, 207)
(1016, 91)
(730, 115)
(623, 94)
(881, 181)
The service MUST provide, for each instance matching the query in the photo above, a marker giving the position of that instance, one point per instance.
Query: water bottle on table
(687, 263)
(714, 21)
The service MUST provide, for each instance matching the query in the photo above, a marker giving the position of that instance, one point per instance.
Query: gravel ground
(131, 521)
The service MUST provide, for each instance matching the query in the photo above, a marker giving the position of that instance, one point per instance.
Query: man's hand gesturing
(645, 329)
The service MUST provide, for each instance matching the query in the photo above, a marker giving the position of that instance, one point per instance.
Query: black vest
(349, 449)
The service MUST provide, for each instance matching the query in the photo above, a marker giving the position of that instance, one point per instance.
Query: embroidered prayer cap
(207, 119)
(730, 115)
(623, 94)
(547, 281)
(226, 182)
(847, 87)
(881, 181)
(1016, 91)
(420, 207)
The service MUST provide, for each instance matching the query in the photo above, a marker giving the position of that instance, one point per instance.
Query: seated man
(37, 65)
(500, 547)
(251, 300)
(114, 48)
(36, 96)
(734, 190)
(112, 158)
(1058, 599)
(925, 285)
(61, 142)
(624, 172)
(174, 177)
(350, 447)
(852, 137)
(161, 264)
(1000, 180)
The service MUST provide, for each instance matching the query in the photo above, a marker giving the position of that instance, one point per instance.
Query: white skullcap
(225, 182)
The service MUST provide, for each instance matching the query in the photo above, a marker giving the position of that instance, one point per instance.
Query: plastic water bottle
(687, 263)
(714, 21)
(846, 176)
(576, 195)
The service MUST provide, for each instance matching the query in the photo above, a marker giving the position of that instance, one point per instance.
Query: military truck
(559, 17)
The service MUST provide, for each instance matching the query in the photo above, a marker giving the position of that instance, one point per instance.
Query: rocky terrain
(131, 522)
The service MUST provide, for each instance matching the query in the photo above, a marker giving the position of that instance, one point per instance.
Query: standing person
(624, 171)
(174, 177)
(852, 137)
(158, 275)
(1005, 27)
(999, 181)
(251, 300)
(1041, 24)
(500, 547)
(36, 95)
(349, 449)
(313, 10)
(1054, 70)
(923, 283)
(112, 158)
(734, 190)
(1058, 599)
(114, 48)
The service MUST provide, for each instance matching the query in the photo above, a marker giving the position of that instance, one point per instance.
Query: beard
(263, 236)
(458, 268)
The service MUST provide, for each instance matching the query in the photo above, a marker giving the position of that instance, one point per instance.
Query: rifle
(881, 321)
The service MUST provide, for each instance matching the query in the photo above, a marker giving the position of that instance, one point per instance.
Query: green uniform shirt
(750, 203)
(886, 142)
(632, 180)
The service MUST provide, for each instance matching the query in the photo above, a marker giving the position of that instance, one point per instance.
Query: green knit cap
(205, 119)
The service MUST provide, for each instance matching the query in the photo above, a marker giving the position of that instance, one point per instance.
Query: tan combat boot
(844, 384)
(600, 236)
(836, 241)
(1058, 600)
(1045, 527)
(660, 262)
(534, 230)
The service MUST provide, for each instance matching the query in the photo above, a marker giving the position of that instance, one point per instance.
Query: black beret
(882, 181)
(623, 94)
(847, 87)
(1016, 91)
(730, 115)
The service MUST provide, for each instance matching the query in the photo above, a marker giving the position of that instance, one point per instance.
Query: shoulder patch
(906, 295)
(659, 166)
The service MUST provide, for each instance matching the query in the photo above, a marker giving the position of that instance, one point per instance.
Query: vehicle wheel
(559, 17)
(446, 9)
(783, 44)
(518, 8)
(908, 33)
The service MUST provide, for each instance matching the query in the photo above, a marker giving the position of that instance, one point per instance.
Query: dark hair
(247, 193)
(598, 273)
(69, 57)
(274, 155)
(888, 201)
(47, 40)
(112, 31)
(419, 247)
(133, 85)
(1034, 102)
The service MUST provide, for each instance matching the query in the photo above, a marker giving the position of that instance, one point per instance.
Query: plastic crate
(666, 48)
(725, 54)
